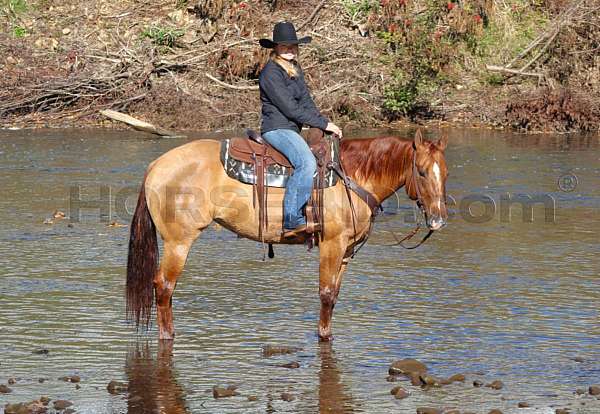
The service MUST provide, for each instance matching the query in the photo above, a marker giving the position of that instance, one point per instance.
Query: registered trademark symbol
(567, 182)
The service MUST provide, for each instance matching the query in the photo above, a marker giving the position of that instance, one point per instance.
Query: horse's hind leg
(171, 266)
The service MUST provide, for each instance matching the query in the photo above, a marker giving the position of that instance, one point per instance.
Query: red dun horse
(186, 189)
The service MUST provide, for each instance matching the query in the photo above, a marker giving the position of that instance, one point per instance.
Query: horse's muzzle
(435, 223)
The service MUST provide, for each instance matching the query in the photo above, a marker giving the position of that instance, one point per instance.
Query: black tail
(142, 263)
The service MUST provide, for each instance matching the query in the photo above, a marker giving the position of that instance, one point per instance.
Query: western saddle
(270, 168)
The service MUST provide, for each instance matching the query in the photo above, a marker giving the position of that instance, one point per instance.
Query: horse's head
(427, 181)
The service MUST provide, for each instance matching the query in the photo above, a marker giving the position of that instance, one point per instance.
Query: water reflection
(554, 142)
(153, 386)
(334, 396)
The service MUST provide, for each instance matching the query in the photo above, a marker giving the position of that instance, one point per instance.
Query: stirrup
(287, 234)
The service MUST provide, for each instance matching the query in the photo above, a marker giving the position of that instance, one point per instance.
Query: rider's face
(287, 52)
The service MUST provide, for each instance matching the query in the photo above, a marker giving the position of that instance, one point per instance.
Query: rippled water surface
(498, 299)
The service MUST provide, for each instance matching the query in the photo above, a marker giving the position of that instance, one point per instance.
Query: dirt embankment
(531, 65)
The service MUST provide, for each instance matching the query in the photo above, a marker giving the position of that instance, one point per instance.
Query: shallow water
(499, 299)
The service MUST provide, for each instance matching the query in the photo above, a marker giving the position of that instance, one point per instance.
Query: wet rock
(291, 365)
(578, 359)
(219, 392)
(579, 391)
(428, 410)
(495, 411)
(431, 381)
(523, 405)
(270, 350)
(33, 407)
(62, 404)
(77, 386)
(4, 389)
(252, 398)
(58, 214)
(451, 411)
(495, 385)
(399, 393)
(594, 390)
(415, 379)
(12, 381)
(41, 380)
(116, 387)
(45, 400)
(457, 378)
(286, 396)
(71, 378)
(407, 367)
(41, 352)
(562, 411)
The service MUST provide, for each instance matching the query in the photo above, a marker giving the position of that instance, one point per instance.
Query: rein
(421, 208)
(365, 195)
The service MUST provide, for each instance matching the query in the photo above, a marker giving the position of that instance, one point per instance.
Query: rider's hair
(290, 68)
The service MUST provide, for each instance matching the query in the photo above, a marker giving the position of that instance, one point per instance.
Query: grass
(13, 6)
(359, 9)
(19, 31)
(162, 36)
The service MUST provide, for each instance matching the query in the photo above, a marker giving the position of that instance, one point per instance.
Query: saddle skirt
(239, 158)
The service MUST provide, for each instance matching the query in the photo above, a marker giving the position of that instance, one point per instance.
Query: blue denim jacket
(286, 102)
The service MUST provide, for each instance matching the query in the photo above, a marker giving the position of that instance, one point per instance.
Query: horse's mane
(383, 159)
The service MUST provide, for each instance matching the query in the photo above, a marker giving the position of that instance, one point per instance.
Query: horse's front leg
(331, 269)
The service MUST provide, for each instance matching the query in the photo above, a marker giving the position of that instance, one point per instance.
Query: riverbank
(193, 65)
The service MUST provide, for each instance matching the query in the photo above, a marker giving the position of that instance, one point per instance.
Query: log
(512, 71)
(140, 125)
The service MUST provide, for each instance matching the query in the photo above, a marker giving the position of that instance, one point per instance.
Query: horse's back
(178, 184)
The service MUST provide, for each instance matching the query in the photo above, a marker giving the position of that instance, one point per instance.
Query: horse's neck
(391, 168)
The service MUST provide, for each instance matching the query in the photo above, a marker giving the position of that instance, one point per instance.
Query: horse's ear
(443, 142)
(418, 139)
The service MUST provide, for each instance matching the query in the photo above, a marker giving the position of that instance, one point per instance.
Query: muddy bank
(193, 65)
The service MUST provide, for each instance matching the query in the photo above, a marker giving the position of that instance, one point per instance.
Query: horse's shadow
(153, 385)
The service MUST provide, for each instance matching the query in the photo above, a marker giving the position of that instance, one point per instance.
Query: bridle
(420, 204)
(376, 208)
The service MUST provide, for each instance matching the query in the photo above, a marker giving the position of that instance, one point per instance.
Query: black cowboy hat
(284, 33)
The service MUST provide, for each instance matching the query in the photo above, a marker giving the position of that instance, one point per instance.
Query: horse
(186, 189)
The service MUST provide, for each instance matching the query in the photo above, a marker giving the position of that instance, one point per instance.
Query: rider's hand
(331, 127)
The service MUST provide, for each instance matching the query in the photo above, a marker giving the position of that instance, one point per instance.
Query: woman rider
(286, 107)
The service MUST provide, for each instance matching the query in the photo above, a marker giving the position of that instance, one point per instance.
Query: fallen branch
(513, 71)
(139, 125)
(312, 15)
(227, 85)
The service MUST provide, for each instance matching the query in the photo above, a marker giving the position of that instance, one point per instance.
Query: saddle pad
(276, 175)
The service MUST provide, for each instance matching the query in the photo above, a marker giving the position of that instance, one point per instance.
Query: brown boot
(287, 234)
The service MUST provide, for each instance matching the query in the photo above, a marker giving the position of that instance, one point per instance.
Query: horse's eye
(422, 173)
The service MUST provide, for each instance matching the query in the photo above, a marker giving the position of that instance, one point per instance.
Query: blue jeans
(300, 183)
